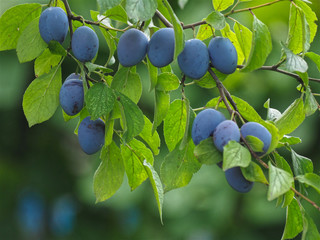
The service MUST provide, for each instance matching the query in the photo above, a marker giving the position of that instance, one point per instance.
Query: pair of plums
(54, 25)
(193, 61)
(212, 123)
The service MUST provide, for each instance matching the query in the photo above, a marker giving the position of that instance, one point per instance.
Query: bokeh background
(46, 180)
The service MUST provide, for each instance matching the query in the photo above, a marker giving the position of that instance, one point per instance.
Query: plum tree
(161, 47)
(194, 59)
(85, 44)
(237, 181)
(53, 24)
(132, 47)
(205, 123)
(257, 130)
(71, 95)
(226, 131)
(223, 55)
(91, 135)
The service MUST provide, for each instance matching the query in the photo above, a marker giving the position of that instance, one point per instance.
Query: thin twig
(163, 19)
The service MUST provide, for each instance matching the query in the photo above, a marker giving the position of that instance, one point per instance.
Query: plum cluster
(91, 132)
(53, 26)
(193, 61)
(212, 123)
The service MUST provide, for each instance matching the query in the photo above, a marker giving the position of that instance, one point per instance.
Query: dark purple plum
(257, 130)
(226, 131)
(91, 135)
(53, 24)
(205, 123)
(194, 59)
(237, 181)
(132, 47)
(161, 47)
(71, 96)
(223, 55)
(85, 44)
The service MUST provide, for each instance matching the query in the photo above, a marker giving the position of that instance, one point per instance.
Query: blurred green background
(44, 175)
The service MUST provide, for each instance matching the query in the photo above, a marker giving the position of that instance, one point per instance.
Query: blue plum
(194, 59)
(91, 135)
(225, 132)
(85, 44)
(237, 181)
(223, 55)
(74, 76)
(71, 96)
(161, 47)
(53, 24)
(205, 123)
(257, 130)
(132, 47)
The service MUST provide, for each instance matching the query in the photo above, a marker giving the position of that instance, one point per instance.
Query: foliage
(130, 146)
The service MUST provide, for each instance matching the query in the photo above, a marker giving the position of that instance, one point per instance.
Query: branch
(163, 19)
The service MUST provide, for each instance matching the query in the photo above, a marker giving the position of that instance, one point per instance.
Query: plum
(225, 132)
(71, 96)
(237, 181)
(223, 55)
(85, 44)
(74, 76)
(132, 47)
(91, 135)
(257, 130)
(161, 47)
(194, 59)
(205, 123)
(53, 24)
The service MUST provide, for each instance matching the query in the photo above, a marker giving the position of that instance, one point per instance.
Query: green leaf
(30, 44)
(104, 5)
(41, 98)
(216, 20)
(220, 5)
(190, 118)
(244, 36)
(56, 48)
(178, 167)
(162, 104)
(141, 9)
(167, 82)
(207, 153)
(301, 164)
(207, 81)
(14, 21)
(133, 155)
(289, 140)
(109, 130)
(294, 223)
(182, 3)
(235, 155)
(310, 231)
(311, 179)
(99, 100)
(272, 113)
(294, 63)
(227, 33)
(311, 18)
(310, 104)
(175, 124)
(254, 173)
(132, 117)
(109, 175)
(156, 185)
(299, 32)
(205, 31)
(283, 164)
(153, 75)
(291, 118)
(45, 62)
(280, 182)
(315, 58)
(178, 30)
(261, 46)
(117, 13)
(152, 139)
(255, 143)
(93, 67)
(128, 83)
